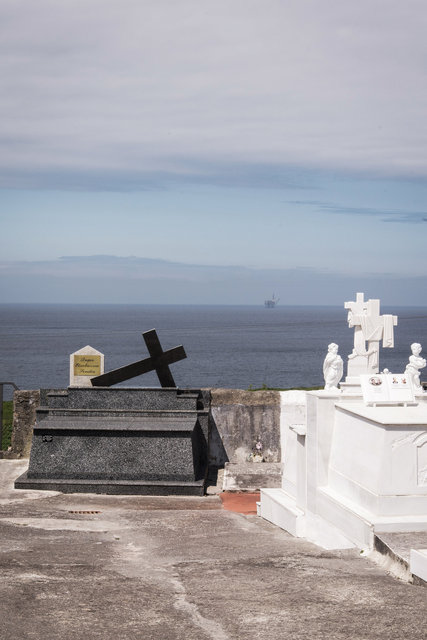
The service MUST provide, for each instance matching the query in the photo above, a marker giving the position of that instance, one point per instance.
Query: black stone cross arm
(159, 361)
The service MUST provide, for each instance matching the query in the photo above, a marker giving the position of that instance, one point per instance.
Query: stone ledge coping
(239, 396)
(388, 415)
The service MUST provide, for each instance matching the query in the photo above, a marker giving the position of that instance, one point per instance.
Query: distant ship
(270, 304)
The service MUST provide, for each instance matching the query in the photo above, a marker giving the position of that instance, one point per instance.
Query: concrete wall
(239, 420)
(25, 404)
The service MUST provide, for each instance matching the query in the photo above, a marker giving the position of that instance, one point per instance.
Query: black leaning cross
(159, 361)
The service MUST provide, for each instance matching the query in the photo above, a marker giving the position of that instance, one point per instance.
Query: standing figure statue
(332, 368)
(413, 367)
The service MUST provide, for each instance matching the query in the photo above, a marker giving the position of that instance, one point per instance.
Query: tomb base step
(113, 487)
(280, 508)
(359, 524)
(338, 522)
(251, 476)
(404, 554)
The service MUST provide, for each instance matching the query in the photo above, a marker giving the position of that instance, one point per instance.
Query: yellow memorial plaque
(87, 365)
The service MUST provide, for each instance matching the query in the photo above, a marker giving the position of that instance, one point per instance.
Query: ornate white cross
(371, 327)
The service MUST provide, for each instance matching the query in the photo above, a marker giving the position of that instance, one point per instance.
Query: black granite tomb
(119, 441)
(122, 441)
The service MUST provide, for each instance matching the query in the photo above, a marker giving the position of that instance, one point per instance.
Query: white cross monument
(371, 327)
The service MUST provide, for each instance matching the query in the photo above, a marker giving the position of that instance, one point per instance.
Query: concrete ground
(90, 567)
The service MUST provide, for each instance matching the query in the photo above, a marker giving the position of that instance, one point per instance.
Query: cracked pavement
(85, 566)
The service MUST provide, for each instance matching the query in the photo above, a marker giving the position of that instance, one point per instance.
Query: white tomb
(85, 364)
(351, 469)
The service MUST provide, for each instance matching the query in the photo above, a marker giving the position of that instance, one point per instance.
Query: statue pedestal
(357, 365)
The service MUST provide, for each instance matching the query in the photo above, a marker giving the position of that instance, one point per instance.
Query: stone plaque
(87, 365)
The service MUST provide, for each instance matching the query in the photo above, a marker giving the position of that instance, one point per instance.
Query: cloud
(147, 92)
(116, 268)
(388, 215)
(114, 279)
(186, 171)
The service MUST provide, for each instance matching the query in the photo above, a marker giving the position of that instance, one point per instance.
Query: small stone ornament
(416, 362)
(257, 452)
(332, 368)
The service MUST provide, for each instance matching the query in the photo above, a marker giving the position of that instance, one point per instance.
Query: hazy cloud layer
(106, 279)
(387, 215)
(135, 94)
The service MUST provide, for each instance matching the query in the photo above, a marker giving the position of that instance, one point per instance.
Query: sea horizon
(231, 346)
(198, 304)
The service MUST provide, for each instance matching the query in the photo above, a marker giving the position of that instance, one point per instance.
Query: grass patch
(7, 424)
(265, 388)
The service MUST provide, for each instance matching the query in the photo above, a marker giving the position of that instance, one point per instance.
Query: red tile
(240, 502)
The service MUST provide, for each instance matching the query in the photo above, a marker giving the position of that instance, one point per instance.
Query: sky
(213, 151)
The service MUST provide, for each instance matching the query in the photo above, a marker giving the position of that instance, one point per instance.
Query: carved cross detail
(369, 327)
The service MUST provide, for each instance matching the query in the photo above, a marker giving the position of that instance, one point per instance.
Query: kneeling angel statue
(332, 368)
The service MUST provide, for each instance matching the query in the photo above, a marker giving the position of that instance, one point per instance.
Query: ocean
(226, 346)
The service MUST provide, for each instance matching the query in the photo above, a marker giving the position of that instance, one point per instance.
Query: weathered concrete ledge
(252, 476)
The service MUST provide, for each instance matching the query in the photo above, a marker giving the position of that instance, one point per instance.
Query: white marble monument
(353, 470)
(84, 365)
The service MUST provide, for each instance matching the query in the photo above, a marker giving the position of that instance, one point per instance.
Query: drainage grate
(86, 513)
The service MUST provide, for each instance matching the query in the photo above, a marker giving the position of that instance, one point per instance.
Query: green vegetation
(7, 424)
(265, 388)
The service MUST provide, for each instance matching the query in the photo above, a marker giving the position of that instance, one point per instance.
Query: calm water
(226, 346)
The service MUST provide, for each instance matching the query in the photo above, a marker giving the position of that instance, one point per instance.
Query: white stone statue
(332, 368)
(371, 327)
(413, 367)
